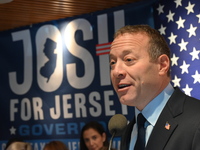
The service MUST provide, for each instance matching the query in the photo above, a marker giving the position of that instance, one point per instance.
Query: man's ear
(164, 64)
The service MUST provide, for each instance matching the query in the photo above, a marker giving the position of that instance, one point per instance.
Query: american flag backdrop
(179, 22)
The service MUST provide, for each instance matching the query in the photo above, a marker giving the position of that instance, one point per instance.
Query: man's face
(134, 78)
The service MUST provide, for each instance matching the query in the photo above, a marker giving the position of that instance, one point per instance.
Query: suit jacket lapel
(162, 132)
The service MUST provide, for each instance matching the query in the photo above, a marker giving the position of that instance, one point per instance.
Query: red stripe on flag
(103, 44)
(102, 49)
(102, 53)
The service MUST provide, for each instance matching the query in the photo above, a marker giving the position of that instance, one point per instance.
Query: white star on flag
(187, 90)
(162, 30)
(192, 30)
(184, 67)
(170, 16)
(183, 45)
(195, 54)
(172, 38)
(190, 8)
(198, 16)
(178, 3)
(196, 77)
(176, 81)
(160, 9)
(180, 22)
(174, 60)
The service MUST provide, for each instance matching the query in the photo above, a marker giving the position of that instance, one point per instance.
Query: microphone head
(117, 124)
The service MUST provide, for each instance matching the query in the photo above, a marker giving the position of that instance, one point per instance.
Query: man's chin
(123, 101)
(127, 102)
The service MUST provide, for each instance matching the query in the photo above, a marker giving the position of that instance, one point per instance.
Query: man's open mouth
(123, 86)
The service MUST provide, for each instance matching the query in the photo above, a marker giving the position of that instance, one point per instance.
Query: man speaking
(165, 118)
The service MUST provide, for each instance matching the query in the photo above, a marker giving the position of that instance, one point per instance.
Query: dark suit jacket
(183, 114)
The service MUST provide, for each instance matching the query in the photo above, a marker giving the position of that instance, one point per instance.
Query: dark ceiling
(26, 12)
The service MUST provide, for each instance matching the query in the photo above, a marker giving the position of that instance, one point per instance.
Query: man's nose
(119, 71)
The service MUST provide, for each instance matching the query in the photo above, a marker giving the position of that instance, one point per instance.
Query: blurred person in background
(55, 145)
(93, 137)
(18, 145)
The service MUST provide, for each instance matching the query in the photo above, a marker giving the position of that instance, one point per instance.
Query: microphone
(116, 126)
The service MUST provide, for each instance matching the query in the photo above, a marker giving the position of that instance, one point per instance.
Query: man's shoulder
(187, 98)
(191, 104)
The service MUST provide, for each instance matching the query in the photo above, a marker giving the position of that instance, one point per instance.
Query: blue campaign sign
(55, 76)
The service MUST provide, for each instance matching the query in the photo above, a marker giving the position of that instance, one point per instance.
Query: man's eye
(112, 63)
(129, 59)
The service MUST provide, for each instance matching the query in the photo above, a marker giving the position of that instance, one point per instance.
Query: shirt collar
(152, 111)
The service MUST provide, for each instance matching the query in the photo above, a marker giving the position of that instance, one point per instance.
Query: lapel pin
(167, 125)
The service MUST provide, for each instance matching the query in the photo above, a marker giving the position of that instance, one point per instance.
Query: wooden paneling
(26, 12)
